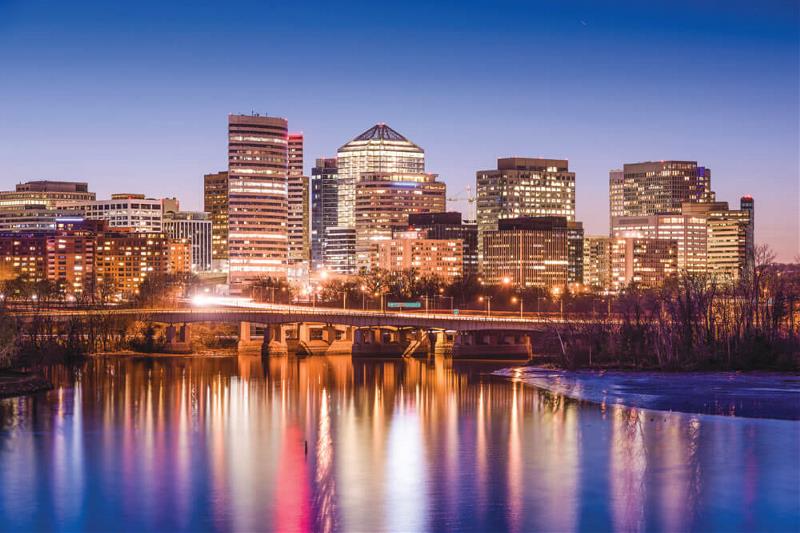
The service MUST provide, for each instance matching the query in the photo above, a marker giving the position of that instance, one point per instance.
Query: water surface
(188, 444)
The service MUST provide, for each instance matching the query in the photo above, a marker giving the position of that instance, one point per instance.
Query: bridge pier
(383, 342)
(274, 342)
(178, 340)
(271, 344)
(492, 345)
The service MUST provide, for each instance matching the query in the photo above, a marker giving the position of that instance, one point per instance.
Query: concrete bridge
(278, 330)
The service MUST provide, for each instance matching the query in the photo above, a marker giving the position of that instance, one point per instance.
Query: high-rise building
(324, 206)
(616, 195)
(380, 149)
(257, 199)
(729, 246)
(528, 252)
(298, 216)
(45, 193)
(442, 258)
(597, 262)
(746, 204)
(215, 203)
(123, 210)
(574, 252)
(383, 203)
(450, 226)
(339, 250)
(195, 228)
(645, 263)
(709, 237)
(524, 187)
(658, 187)
(688, 231)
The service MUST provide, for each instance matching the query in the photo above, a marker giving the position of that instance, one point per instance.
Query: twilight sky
(135, 97)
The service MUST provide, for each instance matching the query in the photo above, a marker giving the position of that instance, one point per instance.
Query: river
(327, 444)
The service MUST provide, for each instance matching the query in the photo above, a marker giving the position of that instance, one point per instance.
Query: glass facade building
(524, 187)
(257, 199)
(324, 206)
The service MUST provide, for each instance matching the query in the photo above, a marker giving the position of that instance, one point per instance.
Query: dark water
(218, 444)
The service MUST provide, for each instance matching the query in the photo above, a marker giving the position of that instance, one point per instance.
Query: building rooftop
(380, 132)
(532, 223)
(53, 186)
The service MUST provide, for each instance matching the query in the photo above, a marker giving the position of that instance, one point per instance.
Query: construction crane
(469, 198)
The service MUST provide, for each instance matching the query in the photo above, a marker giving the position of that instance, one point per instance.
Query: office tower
(644, 263)
(442, 258)
(298, 227)
(215, 203)
(449, 226)
(596, 262)
(575, 252)
(257, 199)
(324, 206)
(746, 204)
(528, 251)
(123, 210)
(45, 193)
(339, 250)
(688, 231)
(195, 228)
(383, 203)
(658, 187)
(380, 149)
(729, 246)
(524, 187)
(616, 180)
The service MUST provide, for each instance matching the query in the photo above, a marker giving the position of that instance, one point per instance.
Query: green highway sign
(404, 305)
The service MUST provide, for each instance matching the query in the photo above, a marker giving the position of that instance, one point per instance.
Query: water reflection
(329, 444)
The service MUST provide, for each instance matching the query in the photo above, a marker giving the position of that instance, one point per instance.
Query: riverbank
(773, 395)
(16, 383)
(205, 352)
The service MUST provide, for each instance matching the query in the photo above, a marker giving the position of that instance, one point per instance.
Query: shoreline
(753, 395)
(14, 383)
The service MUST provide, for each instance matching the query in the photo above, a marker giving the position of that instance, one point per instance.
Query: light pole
(557, 294)
(515, 300)
(488, 300)
(451, 301)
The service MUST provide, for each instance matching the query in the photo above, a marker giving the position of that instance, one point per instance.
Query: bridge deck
(276, 314)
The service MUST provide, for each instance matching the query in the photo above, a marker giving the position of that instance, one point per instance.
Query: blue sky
(135, 96)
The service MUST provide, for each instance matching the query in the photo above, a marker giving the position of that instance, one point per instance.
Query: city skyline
(485, 87)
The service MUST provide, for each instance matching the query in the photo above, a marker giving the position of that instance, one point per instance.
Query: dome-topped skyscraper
(378, 149)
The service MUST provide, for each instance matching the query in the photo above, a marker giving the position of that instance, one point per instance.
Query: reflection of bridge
(279, 330)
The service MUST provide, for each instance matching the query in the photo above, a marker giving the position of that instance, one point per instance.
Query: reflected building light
(515, 466)
(627, 468)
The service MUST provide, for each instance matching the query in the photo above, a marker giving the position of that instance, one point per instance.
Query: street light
(514, 300)
(556, 294)
(451, 300)
(488, 300)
